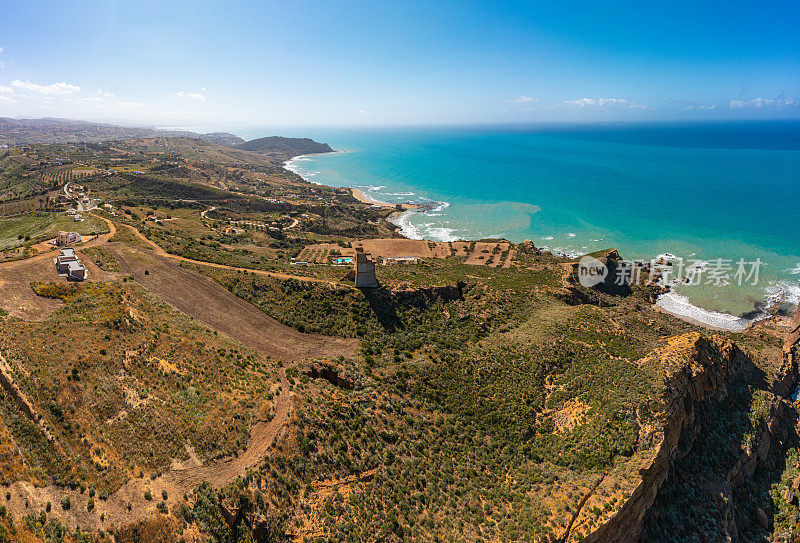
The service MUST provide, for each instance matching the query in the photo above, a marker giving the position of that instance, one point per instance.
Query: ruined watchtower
(364, 270)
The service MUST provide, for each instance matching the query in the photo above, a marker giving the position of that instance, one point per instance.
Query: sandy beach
(361, 197)
(399, 208)
(399, 215)
(679, 306)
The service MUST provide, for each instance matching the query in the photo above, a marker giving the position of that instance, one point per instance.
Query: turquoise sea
(700, 191)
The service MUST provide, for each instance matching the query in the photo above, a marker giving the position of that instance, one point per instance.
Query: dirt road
(129, 505)
(16, 295)
(162, 253)
(209, 303)
(214, 306)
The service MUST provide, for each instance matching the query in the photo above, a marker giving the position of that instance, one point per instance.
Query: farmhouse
(400, 260)
(76, 271)
(67, 238)
(68, 264)
(65, 256)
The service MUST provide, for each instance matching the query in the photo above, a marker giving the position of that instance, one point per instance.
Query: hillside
(222, 138)
(194, 149)
(218, 378)
(47, 130)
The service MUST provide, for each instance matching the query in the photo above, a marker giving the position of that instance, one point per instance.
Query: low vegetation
(116, 370)
(472, 403)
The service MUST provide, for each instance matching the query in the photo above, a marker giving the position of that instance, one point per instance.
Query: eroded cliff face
(698, 370)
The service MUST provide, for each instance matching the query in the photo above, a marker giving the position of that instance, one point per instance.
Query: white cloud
(759, 103)
(4, 98)
(581, 102)
(595, 103)
(6, 90)
(53, 88)
(199, 96)
(524, 99)
(92, 99)
(1, 49)
(130, 105)
(702, 107)
(101, 92)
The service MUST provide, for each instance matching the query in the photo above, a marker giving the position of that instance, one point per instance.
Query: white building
(67, 263)
(400, 260)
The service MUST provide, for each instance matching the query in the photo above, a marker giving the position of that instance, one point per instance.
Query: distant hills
(50, 130)
(223, 138)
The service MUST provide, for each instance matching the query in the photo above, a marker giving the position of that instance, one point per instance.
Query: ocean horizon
(698, 191)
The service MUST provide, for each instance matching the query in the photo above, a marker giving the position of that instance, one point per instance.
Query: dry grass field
(493, 254)
(211, 304)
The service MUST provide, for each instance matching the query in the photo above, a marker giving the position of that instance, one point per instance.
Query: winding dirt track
(162, 253)
(128, 504)
(16, 295)
(211, 304)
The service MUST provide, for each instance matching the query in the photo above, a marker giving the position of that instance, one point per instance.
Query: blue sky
(217, 64)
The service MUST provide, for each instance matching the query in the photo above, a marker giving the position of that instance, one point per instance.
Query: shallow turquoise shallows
(698, 191)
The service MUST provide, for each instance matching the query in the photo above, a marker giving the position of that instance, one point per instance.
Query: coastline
(672, 303)
(289, 164)
(399, 216)
(359, 195)
(680, 307)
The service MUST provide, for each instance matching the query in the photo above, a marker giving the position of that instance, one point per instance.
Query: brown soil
(16, 295)
(484, 254)
(481, 255)
(128, 504)
(211, 304)
(570, 415)
(401, 247)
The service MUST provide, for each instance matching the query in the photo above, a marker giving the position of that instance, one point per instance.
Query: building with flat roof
(76, 271)
(400, 260)
(63, 260)
(67, 264)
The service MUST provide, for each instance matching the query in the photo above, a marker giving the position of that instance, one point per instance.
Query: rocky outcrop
(290, 147)
(695, 368)
(333, 374)
(529, 248)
